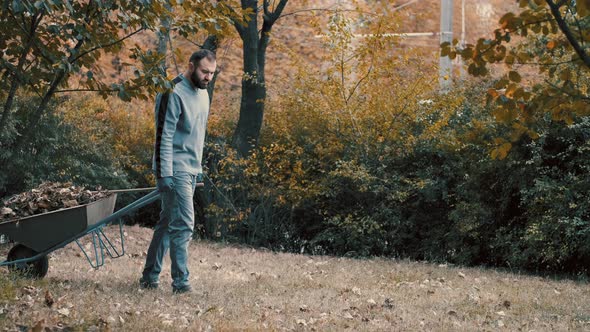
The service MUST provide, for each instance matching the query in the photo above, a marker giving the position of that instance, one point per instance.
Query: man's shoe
(148, 284)
(182, 290)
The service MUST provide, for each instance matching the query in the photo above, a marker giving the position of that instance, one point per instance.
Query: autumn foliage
(363, 156)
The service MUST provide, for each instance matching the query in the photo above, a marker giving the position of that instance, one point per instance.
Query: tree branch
(358, 83)
(100, 46)
(87, 90)
(567, 32)
(274, 15)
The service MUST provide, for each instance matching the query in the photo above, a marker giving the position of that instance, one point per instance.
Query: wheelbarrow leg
(108, 245)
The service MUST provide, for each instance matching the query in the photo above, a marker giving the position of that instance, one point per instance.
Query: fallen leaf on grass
(49, 299)
(64, 311)
(301, 322)
(30, 290)
(388, 304)
(39, 326)
(356, 291)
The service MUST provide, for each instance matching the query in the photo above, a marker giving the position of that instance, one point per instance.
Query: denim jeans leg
(160, 241)
(180, 227)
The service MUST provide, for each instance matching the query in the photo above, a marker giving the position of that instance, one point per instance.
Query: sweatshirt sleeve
(168, 111)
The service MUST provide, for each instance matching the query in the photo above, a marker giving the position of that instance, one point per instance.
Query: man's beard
(197, 82)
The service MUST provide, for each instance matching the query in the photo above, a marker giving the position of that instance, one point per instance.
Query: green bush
(56, 152)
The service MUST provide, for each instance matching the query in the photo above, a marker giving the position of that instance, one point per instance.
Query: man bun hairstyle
(201, 54)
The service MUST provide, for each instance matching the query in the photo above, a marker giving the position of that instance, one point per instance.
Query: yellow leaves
(583, 7)
(518, 130)
(514, 76)
(509, 60)
(506, 20)
(565, 75)
(445, 49)
(514, 91)
(468, 53)
(540, 2)
(563, 113)
(501, 150)
(477, 70)
(501, 84)
(493, 93)
(581, 107)
(505, 115)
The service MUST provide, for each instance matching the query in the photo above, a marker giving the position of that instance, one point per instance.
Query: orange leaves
(551, 44)
(501, 150)
(493, 93)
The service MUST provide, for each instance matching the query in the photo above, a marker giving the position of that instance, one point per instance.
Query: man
(181, 120)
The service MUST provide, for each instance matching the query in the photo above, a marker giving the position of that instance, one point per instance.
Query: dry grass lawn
(247, 289)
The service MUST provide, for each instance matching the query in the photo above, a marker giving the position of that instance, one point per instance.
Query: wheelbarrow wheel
(34, 269)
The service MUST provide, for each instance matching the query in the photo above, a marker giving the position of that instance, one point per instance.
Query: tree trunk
(565, 29)
(211, 44)
(163, 39)
(15, 83)
(247, 132)
(8, 103)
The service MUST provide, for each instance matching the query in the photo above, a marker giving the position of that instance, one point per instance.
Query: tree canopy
(552, 36)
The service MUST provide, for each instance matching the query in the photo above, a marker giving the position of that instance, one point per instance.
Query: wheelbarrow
(38, 235)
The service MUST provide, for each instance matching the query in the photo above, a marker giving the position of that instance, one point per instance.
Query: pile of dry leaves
(49, 196)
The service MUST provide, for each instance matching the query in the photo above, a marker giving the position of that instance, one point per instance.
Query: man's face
(203, 73)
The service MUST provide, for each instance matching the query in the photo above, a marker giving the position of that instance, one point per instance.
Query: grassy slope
(248, 289)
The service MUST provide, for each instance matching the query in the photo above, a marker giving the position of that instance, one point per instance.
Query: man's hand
(200, 180)
(165, 184)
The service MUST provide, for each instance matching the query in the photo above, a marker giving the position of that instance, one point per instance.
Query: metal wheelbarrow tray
(38, 235)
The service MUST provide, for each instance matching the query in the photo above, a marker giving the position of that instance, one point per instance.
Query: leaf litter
(48, 196)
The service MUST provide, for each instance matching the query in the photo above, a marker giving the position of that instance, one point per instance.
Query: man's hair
(201, 54)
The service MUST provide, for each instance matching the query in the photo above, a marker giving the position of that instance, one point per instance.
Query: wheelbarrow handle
(131, 190)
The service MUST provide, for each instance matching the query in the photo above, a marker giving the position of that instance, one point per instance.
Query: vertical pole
(446, 35)
(462, 35)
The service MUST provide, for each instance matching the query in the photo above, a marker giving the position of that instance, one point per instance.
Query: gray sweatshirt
(181, 121)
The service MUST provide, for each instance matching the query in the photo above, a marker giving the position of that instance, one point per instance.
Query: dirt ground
(246, 289)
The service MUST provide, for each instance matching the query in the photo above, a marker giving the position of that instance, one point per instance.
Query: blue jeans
(174, 231)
